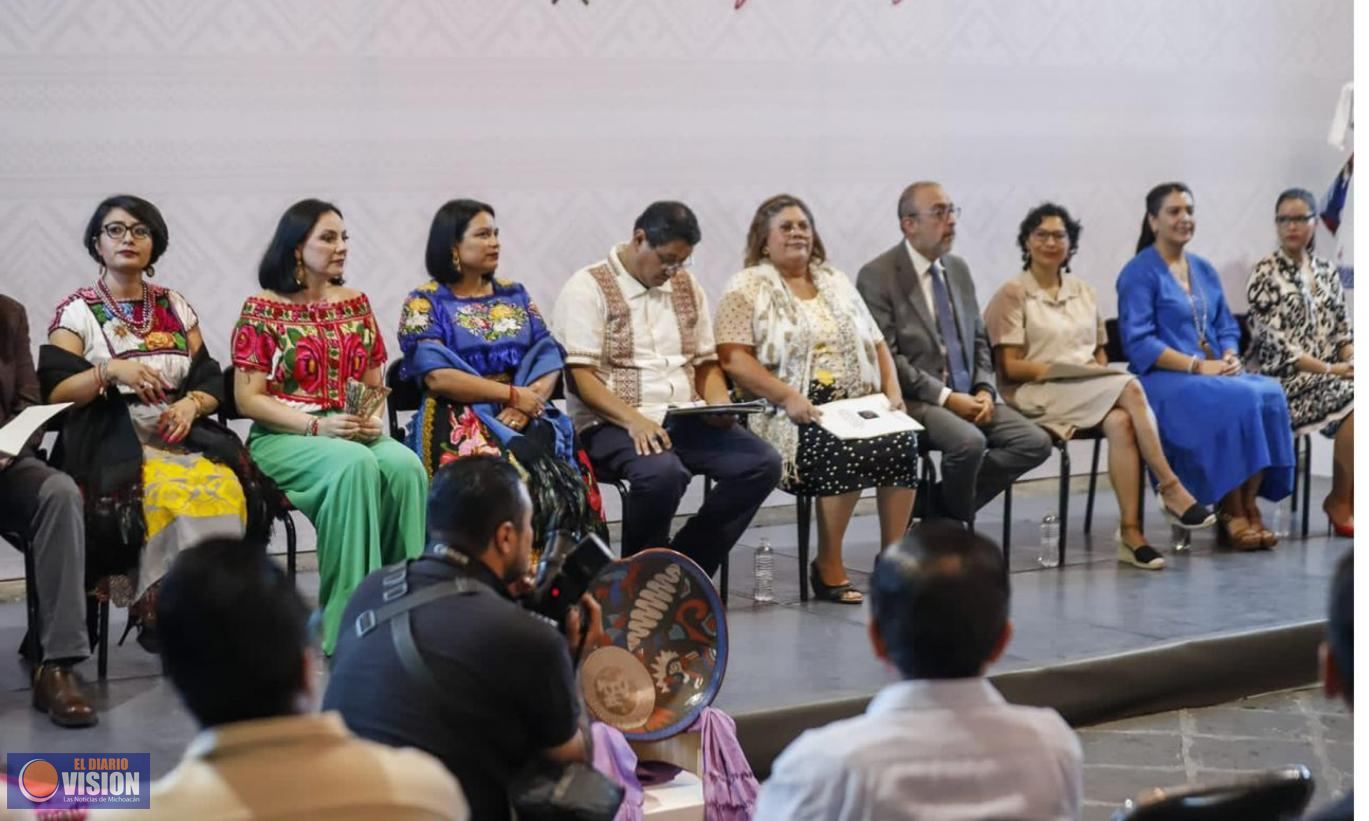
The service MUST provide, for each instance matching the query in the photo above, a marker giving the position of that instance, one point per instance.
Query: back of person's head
(667, 221)
(939, 602)
(1155, 199)
(470, 499)
(1340, 627)
(234, 633)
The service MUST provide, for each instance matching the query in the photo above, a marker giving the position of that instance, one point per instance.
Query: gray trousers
(978, 463)
(45, 505)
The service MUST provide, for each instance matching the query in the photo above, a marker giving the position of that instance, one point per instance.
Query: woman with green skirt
(296, 347)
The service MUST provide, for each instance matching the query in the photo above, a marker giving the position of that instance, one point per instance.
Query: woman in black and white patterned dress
(794, 330)
(1302, 337)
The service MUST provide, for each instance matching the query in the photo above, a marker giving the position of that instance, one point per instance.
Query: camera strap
(399, 603)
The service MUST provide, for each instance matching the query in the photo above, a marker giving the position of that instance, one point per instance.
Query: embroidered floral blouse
(308, 352)
(491, 333)
(165, 346)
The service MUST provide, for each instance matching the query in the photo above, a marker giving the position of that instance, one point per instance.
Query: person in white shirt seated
(638, 340)
(942, 743)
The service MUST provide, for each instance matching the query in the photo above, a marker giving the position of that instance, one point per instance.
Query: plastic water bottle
(765, 572)
(1278, 522)
(1181, 540)
(1049, 553)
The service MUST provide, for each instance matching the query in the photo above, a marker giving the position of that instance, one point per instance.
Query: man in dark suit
(924, 301)
(45, 506)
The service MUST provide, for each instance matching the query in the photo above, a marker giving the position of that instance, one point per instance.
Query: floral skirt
(565, 494)
(828, 466)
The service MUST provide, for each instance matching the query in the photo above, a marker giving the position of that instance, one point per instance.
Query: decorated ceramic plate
(664, 625)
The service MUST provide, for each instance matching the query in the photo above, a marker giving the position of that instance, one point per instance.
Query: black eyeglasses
(116, 230)
(939, 212)
(1300, 219)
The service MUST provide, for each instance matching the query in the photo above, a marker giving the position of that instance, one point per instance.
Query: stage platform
(1095, 639)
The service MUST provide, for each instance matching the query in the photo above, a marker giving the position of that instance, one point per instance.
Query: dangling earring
(149, 272)
(299, 273)
(456, 264)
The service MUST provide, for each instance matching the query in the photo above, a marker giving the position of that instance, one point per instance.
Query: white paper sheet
(16, 433)
(864, 418)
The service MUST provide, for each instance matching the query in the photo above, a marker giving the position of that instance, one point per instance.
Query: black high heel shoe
(843, 593)
(1196, 517)
(146, 637)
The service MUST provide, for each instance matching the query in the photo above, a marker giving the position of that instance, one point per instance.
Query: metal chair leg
(804, 506)
(290, 544)
(1297, 478)
(1093, 486)
(1141, 495)
(1064, 499)
(31, 647)
(102, 663)
(1007, 528)
(1306, 484)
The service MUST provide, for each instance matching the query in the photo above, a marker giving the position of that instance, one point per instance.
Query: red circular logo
(38, 780)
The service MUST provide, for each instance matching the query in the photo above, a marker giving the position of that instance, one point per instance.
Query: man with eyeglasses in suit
(923, 299)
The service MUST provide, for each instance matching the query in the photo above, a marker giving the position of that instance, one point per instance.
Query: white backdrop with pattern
(570, 117)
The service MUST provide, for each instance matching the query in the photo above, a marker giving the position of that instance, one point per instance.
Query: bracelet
(311, 429)
(99, 378)
(513, 396)
(1192, 364)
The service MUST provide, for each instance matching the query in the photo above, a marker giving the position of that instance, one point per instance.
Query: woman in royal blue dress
(487, 365)
(1225, 432)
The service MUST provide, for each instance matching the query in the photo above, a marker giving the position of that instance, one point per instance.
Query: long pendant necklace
(126, 316)
(1196, 296)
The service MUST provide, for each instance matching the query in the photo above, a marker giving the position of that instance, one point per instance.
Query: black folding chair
(1275, 795)
(228, 411)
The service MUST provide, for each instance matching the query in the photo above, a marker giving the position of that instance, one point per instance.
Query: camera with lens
(564, 573)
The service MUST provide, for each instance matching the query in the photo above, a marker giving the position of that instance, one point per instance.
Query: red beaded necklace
(126, 317)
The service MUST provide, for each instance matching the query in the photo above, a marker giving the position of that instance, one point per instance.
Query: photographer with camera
(437, 654)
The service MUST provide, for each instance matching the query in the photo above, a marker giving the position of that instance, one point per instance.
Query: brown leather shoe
(57, 692)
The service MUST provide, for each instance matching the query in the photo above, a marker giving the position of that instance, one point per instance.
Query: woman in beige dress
(1048, 344)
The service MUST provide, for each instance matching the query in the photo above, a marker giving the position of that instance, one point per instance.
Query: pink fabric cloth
(730, 787)
(615, 759)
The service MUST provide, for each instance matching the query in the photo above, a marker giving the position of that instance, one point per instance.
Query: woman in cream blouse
(1048, 344)
(794, 330)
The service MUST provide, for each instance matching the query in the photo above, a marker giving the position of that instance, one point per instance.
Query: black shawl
(98, 447)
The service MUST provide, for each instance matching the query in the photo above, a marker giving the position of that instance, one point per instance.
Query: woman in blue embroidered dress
(487, 365)
(1225, 432)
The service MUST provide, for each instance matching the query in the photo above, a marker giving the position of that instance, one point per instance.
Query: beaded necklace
(125, 316)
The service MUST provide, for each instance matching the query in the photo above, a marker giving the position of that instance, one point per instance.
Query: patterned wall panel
(570, 118)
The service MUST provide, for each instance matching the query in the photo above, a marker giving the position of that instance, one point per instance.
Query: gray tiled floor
(1217, 744)
(790, 653)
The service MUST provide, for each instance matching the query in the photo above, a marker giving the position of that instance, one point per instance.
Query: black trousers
(744, 470)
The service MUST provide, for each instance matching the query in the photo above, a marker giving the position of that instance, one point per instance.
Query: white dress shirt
(941, 750)
(578, 323)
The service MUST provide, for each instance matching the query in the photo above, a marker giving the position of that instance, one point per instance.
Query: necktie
(950, 335)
